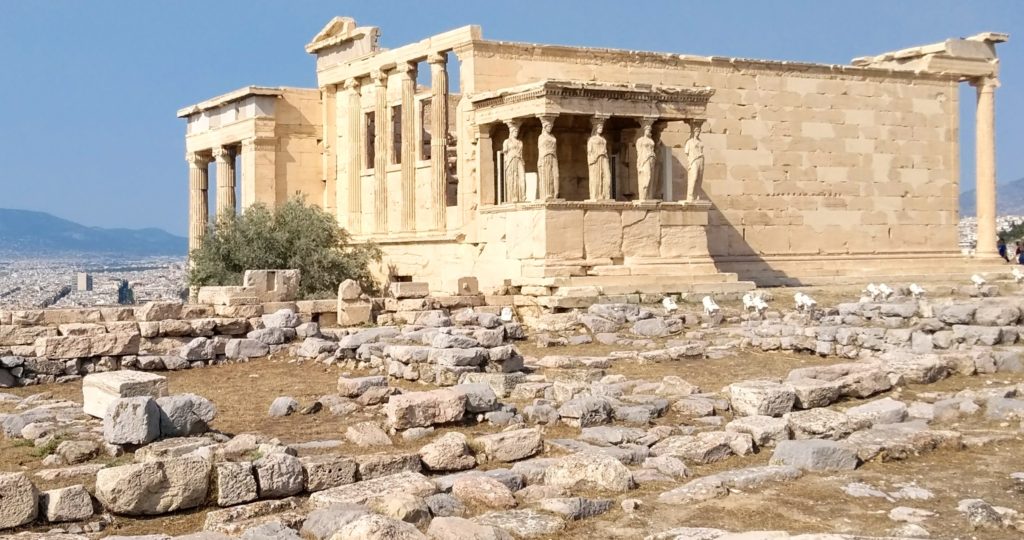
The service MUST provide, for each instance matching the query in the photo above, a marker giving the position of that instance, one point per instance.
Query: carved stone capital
(405, 69)
(437, 58)
(197, 160)
(985, 84)
(352, 85)
(380, 77)
(223, 154)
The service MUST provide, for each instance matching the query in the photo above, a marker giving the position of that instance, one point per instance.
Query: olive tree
(293, 235)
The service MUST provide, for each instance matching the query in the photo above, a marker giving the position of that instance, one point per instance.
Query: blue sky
(90, 89)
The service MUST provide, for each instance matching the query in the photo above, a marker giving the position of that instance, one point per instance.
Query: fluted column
(225, 180)
(985, 166)
(198, 198)
(380, 150)
(407, 74)
(438, 140)
(353, 157)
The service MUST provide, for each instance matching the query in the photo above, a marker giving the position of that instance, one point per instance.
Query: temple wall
(298, 163)
(800, 159)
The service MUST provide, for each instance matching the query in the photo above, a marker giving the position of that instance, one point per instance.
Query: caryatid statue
(694, 150)
(600, 172)
(645, 162)
(515, 168)
(547, 160)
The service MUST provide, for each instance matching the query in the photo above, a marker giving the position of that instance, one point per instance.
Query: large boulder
(508, 446)
(816, 455)
(243, 348)
(483, 491)
(99, 390)
(766, 398)
(185, 414)
(234, 483)
(377, 527)
(424, 409)
(360, 492)
(586, 411)
(589, 470)
(154, 487)
(355, 386)
(71, 503)
(282, 318)
(448, 453)
(457, 528)
(19, 500)
(278, 475)
(134, 420)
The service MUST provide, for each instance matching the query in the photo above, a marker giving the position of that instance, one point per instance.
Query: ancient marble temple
(551, 166)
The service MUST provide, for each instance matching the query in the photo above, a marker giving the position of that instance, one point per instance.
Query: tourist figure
(600, 172)
(515, 168)
(547, 161)
(645, 164)
(1001, 246)
(1018, 254)
(694, 150)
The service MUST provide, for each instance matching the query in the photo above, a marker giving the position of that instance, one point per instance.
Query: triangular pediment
(338, 30)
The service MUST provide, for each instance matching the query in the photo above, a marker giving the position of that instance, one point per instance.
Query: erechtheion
(549, 166)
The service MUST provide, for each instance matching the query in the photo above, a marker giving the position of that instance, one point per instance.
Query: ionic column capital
(222, 154)
(380, 77)
(437, 58)
(197, 160)
(406, 69)
(352, 85)
(985, 84)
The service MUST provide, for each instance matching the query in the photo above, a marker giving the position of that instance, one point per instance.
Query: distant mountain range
(1009, 200)
(30, 234)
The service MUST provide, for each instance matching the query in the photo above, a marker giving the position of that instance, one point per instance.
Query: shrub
(293, 235)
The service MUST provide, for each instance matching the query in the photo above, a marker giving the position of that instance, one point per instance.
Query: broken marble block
(99, 390)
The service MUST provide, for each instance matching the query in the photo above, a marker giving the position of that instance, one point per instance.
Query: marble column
(198, 198)
(225, 180)
(985, 166)
(380, 152)
(438, 140)
(407, 76)
(353, 156)
(329, 175)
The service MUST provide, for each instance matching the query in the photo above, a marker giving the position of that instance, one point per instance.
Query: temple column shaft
(408, 77)
(380, 149)
(438, 140)
(225, 180)
(198, 199)
(351, 149)
(327, 154)
(985, 166)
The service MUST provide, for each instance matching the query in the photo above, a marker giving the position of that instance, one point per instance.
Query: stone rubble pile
(516, 447)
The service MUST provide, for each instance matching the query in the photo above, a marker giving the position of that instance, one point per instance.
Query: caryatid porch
(576, 179)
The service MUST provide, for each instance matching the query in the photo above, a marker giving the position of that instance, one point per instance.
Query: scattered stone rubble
(508, 476)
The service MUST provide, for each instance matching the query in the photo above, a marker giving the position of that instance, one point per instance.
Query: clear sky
(90, 88)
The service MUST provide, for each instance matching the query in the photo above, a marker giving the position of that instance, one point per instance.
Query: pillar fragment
(225, 180)
(438, 140)
(380, 162)
(407, 75)
(198, 198)
(352, 161)
(985, 166)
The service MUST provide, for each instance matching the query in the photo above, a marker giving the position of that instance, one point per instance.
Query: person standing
(1001, 246)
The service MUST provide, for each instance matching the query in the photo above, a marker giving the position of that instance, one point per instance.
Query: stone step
(646, 280)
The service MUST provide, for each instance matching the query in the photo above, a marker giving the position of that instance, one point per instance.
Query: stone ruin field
(893, 417)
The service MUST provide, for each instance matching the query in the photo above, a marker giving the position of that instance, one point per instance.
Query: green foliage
(292, 235)
(1014, 233)
(50, 446)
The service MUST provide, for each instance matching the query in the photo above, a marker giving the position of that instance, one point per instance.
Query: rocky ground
(892, 417)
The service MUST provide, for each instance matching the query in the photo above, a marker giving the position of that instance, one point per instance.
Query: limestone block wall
(801, 159)
(297, 163)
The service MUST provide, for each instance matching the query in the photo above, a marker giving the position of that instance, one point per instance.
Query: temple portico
(256, 137)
